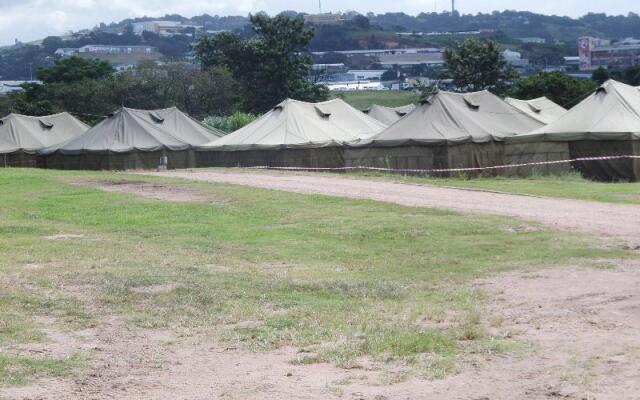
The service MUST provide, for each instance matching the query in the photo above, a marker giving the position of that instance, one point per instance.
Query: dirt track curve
(615, 220)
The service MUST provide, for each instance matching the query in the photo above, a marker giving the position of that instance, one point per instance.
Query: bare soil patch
(578, 326)
(149, 190)
(616, 220)
(65, 236)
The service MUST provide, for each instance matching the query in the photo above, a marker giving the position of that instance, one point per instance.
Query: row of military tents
(445, 134)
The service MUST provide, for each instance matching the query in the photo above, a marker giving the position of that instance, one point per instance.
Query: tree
(601, 75)
(557, 86)
(74, 69)
(477, 65)
(52, 43)
(197, 92)
(630, 76)
(270, 66)
(390, 75)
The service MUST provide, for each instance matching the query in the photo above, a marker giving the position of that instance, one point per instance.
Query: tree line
(234, 73)
(252, 73)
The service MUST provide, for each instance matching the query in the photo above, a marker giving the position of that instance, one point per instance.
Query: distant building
(337, 67)
(112, 49)
(66, 52)
(367, 74)
(409, 59)
(515, 59)
(323, 19)
(353, 86)
(7, 87)
(595, 53)
(397, 57)
(572, 63)
(378, 52)
(536, 40)
(163, 28)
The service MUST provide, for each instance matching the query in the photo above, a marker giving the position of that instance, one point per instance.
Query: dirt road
(616, 220)
(579, 341)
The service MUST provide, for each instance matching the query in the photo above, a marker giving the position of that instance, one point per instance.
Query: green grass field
(571, 186)
(362, 100)
(340, 278)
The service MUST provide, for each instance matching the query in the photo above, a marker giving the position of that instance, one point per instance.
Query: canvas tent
(293, 134)
(449, 130)
(133, 139)
(21, 136)
(389, 115)
(607, 123)
(542, 109)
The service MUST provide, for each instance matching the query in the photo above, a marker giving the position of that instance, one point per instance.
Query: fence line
(495, 167)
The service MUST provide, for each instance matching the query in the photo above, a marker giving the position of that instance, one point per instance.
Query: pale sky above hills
(34, 19)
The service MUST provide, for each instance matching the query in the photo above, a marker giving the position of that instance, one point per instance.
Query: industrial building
(595, 53)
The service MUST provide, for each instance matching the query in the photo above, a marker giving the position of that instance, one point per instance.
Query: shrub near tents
(230, 123)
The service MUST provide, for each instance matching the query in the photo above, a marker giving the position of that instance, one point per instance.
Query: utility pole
(320, 6)
(453, 7)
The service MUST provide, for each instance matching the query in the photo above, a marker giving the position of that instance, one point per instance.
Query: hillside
(357, 32)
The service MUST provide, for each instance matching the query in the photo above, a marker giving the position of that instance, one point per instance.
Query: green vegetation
(571, 186)
(362, 100)
(90, 90)
(478, 65)
(340, 278)
(269, 67)
(232, 122)
(559, 87)
(18, 370)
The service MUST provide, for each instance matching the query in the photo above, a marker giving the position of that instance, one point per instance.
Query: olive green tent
(389, 115)
(292, 134)
(21, 136)
(133, 139)
(542, 109)
(449, 130)
(605, 124)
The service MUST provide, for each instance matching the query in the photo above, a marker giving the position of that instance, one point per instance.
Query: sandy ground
(616, 220)
(578, 329)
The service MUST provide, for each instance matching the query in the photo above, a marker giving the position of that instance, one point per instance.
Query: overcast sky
(29, 20)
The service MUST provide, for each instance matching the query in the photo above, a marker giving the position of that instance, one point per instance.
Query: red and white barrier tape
(362, 168)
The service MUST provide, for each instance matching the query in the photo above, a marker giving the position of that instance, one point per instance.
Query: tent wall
(119, 161)
(401, 157)
(18, 159)
(476, 155)
(428, 157)
(607, 170)
(324, 157)
(534, 152)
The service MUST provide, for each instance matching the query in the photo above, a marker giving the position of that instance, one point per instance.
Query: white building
(514, 58)
(66, 52)
(163, 28)
(112, 49)
(536, 40)
(366, 74)
(353, 86)
(7, 87)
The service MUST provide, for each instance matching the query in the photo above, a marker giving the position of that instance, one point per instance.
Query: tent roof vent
(156, 118)
(322, 112)
(45, 124)
(535, 109)
(470, 103)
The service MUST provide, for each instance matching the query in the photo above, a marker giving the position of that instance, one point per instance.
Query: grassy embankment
(362, 100)
(340, 278)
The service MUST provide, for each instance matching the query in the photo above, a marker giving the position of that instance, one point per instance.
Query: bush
(230, 123)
